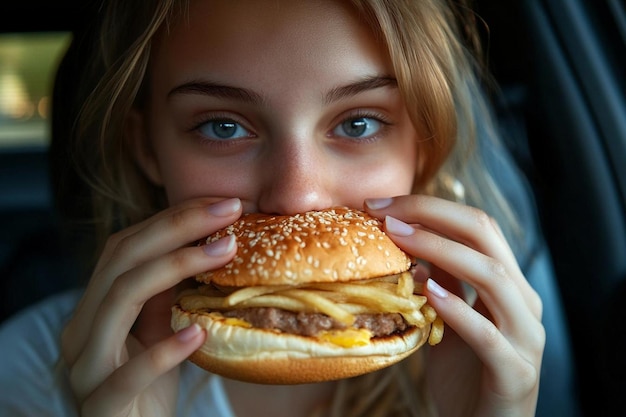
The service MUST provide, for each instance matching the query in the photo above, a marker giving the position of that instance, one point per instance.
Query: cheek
(188, 176)
(397, 169)
(389, 174)
(388, 179)
(396, 166)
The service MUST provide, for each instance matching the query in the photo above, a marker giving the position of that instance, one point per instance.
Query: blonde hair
(435, 51)
(120, 194)
(436, 73)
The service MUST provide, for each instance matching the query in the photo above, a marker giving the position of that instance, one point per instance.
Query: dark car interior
(561, 105)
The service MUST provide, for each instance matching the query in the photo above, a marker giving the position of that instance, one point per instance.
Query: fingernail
(378, 203)
(188, 333)
(398, 227)
(436, 289)
(220, 247)
(225, 207)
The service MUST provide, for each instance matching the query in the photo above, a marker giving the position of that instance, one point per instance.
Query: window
(28, 64)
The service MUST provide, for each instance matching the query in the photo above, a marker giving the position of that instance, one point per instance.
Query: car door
(562, 69)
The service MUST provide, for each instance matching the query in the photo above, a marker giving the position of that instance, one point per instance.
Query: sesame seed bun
(294, 259)
(333, 245)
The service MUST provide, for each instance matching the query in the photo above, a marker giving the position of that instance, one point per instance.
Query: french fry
(429, 313)
(405, 286)
(415, 318)
(330, 295)
(321, 304)
(357, 308)
(418, 300)
(200, 302)
(436, 332)
(370, 295)
(251, 292)
(391, 287)
(277, 301)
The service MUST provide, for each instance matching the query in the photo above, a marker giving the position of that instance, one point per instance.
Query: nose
(297, 179)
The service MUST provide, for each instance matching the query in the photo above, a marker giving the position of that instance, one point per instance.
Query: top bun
(332, 245)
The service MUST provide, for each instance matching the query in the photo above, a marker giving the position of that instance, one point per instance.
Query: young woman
(199, 111)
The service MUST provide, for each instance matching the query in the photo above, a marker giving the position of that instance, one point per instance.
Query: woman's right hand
(118, 346)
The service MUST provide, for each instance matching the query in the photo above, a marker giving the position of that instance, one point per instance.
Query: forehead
(269, 38)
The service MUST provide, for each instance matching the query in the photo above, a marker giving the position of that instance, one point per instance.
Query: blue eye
(358, 127)
(223, 129)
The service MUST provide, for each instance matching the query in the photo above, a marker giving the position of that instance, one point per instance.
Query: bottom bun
(268, 357)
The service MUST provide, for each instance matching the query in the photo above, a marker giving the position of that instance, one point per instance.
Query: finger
(175, 215)
(197, 216)
(129, 380)
(491, 279)
(160, 234)
(510, 371)
(133, 289)
(121, 306)
(464, 224)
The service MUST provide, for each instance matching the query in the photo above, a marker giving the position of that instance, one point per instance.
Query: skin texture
(286, 103)
(290, 106)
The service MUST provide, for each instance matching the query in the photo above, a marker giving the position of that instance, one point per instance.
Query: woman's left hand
(489, 361)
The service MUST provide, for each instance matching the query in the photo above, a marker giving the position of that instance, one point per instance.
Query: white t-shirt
(33, 384)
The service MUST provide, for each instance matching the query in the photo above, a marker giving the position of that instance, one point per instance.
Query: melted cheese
(232, 321)
(346, 338)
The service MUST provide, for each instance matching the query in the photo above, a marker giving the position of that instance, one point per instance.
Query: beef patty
(310, 324)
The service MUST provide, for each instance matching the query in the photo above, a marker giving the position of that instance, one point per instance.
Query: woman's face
(288, 105)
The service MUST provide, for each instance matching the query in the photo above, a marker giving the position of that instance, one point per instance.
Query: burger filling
(312, 324)
(345, 314)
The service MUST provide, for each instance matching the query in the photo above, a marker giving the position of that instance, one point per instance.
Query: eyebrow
(366, 84)
(244, 95)
(210, 88)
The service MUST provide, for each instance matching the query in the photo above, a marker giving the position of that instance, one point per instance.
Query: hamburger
(317, 296)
